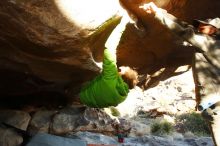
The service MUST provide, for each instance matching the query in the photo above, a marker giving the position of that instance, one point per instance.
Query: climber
(204, 36)
(110, 87)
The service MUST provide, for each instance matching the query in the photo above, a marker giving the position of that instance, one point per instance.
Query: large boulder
(54, 46)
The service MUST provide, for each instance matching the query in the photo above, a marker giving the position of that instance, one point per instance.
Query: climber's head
(129, 75)
(208, 26)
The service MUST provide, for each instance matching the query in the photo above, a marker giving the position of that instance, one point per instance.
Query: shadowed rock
(53, 46)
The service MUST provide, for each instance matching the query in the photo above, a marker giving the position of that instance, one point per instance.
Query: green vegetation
(162, 128)
(194, 123)
(114, 111)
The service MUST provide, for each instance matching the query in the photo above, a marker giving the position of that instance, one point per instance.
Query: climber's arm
(115, 37)
(109, 62)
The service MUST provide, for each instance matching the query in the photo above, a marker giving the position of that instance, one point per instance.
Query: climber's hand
(126, 13)
(150, 8)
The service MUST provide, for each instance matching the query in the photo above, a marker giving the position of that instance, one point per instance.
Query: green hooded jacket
(108, 88)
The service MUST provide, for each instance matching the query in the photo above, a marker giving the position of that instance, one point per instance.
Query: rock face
(89, 125)
(53, 46)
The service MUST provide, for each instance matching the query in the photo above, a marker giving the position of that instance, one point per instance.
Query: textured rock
(18, 119)
(96, 121)
(141, 141)
(64, 122)
(50, 46)
(40, 121)
(9, 137)
(206, 141)
(43, 139)
(82, 119)
(139, 129)
(95, 138)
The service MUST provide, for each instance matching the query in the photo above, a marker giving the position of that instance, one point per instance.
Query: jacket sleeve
(109, 62)
(110, 70)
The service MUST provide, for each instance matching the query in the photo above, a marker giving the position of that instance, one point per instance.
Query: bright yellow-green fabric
(108, 88)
